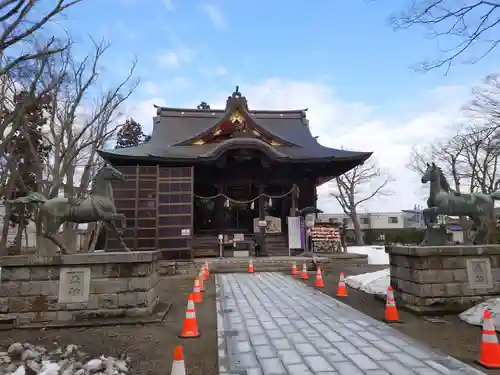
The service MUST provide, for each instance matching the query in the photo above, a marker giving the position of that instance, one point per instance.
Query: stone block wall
(444, 279)
(37, 289)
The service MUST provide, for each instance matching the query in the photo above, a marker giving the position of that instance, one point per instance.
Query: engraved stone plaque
(74, 285)
(479, 273)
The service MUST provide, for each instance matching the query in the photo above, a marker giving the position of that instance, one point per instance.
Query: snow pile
(474, 315)
(376, 254)
(27, 359)
(371, 282)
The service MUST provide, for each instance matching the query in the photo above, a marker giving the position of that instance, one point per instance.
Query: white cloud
(220, 71)
(211, 72)
(174, 59)
(356, 126)
(168, 4)
(179, 83)
(215, 15)
(143, 112)
(151, 88)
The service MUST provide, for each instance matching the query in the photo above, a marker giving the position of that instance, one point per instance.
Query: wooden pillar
(294, 207)
(315, 190)
(262, 216)
(219, 210)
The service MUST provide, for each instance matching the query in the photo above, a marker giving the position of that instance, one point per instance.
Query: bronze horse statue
(443, 200)
(97, 206)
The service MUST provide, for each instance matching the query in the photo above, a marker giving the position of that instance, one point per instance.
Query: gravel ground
(151, 346)
(451, 335)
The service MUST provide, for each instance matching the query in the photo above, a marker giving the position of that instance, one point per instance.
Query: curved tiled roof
(173, 126)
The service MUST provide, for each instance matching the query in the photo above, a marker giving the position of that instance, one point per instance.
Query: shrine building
(211, 172)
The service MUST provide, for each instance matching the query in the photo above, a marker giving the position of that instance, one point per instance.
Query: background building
(405, 219)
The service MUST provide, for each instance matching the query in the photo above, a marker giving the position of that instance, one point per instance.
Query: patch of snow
(22, 359)
(376, 254)
(371, 282)
(474, 315)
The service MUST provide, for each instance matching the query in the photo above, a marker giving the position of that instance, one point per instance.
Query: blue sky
(339, 58)
(348, 44)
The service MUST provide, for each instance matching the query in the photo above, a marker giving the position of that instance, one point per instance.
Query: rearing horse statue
(97, 206)
(443, 200)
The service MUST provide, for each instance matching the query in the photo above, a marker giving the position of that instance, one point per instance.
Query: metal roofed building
(210, 172)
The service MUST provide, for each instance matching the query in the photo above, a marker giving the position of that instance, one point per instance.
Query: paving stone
(300, 369)
(275, 333)
(347, 368)
(265, 351)
(375, 353)
(333, 355)
(306, 349)
(290, 357)
(408, 360)
(346, 348)
(281, 344)
(318, 363)
(272, 366)
(394, 367)
(259, 340)
(296, 338)
(287, 328)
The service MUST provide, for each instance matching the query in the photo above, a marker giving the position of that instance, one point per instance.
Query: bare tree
(358, 186)
(82, 117)
(21, 98)
(21, 24)
(466, 30)
(470, 158)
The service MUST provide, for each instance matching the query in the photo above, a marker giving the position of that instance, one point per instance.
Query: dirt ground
(151, 346)
(451, 335)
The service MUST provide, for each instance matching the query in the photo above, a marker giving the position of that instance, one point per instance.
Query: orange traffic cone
(294, 269)
(319, 278)
(303, 274)
(341, 289)
(490, 349)
(201, 280)
(196, 291)
(250, 267)
(207, 272)
(190, 328)
(391, 311)
(178, 366)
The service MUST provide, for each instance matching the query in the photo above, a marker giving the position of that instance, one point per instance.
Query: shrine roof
(181, 135)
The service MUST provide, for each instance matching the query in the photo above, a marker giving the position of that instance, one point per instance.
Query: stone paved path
(269, 324)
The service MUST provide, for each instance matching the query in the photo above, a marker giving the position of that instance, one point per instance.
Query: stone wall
(37, 289)
(444, 279)
(262, 264)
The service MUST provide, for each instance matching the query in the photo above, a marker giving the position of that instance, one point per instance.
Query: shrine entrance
(214, 213)
(240, 211)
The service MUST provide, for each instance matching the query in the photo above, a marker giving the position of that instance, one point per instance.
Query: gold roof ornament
(237, 116)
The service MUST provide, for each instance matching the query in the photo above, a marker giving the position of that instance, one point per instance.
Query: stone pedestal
(78, 287)
(444, 279)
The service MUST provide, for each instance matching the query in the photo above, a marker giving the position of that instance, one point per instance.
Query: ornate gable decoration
(237, 123)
